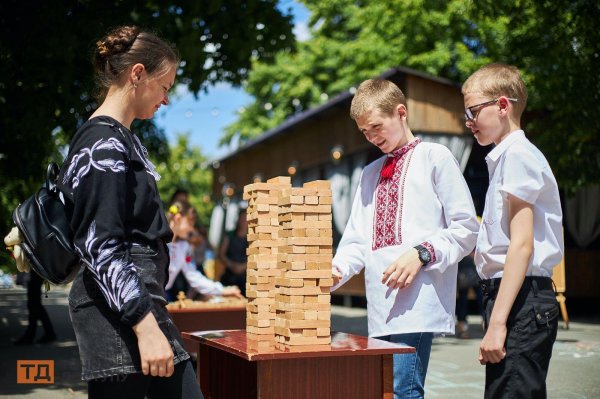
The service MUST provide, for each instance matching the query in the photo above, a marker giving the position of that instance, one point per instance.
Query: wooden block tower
(263, 246)
(303, 301)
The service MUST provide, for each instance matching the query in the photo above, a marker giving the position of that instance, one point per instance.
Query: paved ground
(453, 372)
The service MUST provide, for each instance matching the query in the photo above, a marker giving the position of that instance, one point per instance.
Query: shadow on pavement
(64, 352)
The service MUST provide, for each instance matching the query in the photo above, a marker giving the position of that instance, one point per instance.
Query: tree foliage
(186, 168)
(46, 76)
(554, 43)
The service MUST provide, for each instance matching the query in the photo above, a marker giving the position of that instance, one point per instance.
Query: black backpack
(47, 235)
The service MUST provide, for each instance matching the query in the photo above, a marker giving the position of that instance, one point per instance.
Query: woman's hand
(156, 354)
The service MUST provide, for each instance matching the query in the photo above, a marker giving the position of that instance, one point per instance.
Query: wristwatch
(424, 255)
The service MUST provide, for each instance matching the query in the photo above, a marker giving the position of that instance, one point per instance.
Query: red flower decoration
(188, 259)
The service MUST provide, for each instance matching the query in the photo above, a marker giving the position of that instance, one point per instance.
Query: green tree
(187, 168)
(46, 76)
(554, 43)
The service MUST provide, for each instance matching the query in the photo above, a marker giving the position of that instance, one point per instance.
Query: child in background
(181, 256)
(520, 239)
(412, 220)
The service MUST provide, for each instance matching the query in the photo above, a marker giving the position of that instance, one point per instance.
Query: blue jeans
(410, 369)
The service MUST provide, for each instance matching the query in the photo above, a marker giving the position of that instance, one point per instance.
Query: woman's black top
(110, 185)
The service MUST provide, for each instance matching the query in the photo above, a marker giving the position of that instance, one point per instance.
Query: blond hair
(495, 80)
(376, 94)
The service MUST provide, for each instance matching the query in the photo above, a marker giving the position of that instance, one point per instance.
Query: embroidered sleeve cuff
(430, 250)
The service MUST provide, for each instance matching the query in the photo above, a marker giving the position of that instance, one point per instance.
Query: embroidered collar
(404, 149)
(388, 168)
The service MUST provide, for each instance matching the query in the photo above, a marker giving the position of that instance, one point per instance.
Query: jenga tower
(303, 300)
(262, 271)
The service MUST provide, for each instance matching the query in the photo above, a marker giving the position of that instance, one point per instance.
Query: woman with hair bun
(128, 345)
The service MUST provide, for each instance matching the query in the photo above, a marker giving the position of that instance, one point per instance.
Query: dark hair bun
(117, 41)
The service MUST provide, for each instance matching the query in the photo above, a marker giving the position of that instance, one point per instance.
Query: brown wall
(434, 107)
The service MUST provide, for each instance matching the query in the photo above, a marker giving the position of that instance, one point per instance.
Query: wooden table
(233, 365)
(208, 318)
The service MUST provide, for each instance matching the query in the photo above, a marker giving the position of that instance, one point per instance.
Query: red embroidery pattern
(389, 198)
(430, 250)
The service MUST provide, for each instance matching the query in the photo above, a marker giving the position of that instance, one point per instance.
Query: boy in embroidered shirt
(412, 220)
(520, 240)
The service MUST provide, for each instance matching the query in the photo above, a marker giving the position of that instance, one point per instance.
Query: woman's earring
(135, 85)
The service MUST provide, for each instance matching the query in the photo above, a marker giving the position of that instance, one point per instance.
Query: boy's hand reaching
(402, 272)
(336, 275)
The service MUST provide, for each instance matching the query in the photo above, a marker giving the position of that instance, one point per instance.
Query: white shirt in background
(518, 168)
(182, 261)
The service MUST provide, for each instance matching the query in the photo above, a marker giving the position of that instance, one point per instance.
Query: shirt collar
(404, 149)
(498, 150)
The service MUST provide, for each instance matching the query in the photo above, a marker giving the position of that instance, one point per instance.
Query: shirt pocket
(492, 211)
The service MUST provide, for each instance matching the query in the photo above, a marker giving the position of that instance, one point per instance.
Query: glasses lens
(468, 114)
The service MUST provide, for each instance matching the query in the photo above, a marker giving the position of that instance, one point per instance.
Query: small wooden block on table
(233, 365)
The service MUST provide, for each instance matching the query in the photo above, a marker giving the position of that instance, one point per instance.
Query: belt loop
(534, 286)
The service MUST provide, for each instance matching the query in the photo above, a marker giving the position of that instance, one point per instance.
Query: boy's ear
(504, 105)
(402, 111)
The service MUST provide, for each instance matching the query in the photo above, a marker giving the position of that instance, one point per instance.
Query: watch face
(425, 256)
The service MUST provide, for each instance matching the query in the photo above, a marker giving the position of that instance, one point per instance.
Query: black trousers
(181, 385)
(531, 331)
(36, 309)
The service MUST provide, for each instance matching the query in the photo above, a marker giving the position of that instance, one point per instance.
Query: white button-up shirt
(518, 168)
(182, 261)
(428, 202)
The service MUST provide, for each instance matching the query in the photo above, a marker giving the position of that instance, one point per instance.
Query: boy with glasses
(412, 220)
(520, 239)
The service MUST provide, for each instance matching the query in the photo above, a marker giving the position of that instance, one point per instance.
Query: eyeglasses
(471, 115)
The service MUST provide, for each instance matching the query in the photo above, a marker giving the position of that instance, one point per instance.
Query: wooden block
(326, 282)
(325, 232)
(318, 184)
(312, 250)
(323, 331)
(325, 216)
(290, 282)
(311, 217)
(258, 323)
(311, 315)
(260, 330)
(319, 241)
(323, 315)
(324, 298)
(258, 308)
(323, 200)
(308, 274)
(309, 332)
(311, 200)
(309, 282)
(303, 291)
(280, 297)
(280, 180)
(304, 306)
(271, 272)
(261, 301)
(314, 224)
(307, 323)
(309, 258)
(310, 209)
